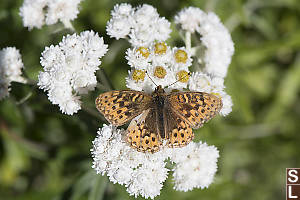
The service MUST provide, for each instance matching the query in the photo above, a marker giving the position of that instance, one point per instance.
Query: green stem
(21, 101)
(188, 42)
(68, 25)
(104, 79)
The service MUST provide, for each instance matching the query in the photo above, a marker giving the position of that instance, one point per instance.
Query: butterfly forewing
(195, 107)
(119, 107)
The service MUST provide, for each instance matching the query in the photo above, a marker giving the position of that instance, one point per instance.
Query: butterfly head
(159, 90)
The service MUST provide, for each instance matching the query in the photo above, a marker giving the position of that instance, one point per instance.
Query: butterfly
(159, 116)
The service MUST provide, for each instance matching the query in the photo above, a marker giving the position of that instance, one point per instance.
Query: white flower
(148, 179)
(200, 82)
(65, 10)
(10, 69)
(36, 13)
(142, 25)
(196, 165)
(122, 10)
(163, 29)
(181, 58)
(144, 173)
(69, 69)
(227, 104)
(118, 28)
(189, 18)
(217, 84)
(140, 84)
(32, 13)
(136, 59)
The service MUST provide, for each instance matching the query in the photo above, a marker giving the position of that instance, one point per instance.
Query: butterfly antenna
(151, 79)
(180, 79)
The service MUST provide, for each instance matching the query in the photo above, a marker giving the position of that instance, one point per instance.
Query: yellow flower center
(160, 48)
(138, 75)
(144, 51)
(160, 72)
(183, 76)
(181, 56)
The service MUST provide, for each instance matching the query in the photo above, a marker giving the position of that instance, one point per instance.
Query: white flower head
(142, 25)
(218, 43)
(139, 80)
(144, 173)
(65, 10)
(32, 13)
(181, 58)
(189, 18)
(196, 165)
(36, 13)
(122, 10)
(10, 69)
(138, 57)
(118, 28)
(214, 36)
(200, 82)
(227, 104)
(161, 54)
(69, 69)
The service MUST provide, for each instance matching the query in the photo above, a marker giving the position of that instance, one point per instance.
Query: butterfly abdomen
(159, 101)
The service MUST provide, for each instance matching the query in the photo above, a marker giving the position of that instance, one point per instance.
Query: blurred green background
(46, 155)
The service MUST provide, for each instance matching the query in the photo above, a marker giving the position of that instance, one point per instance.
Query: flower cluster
(36, 13)
(153, 63)
(144, 173)
(214, 36)
(69, 69)
(10, 69)
(142, 25)
(164, 65)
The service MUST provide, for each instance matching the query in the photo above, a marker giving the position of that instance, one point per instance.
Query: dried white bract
(36, 13)
(10, 69)
(142, 25)
(69, 69)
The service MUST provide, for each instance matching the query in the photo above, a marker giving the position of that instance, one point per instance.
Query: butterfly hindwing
(195, 107)
(178, 131)
(119, 107)
(142, 133)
